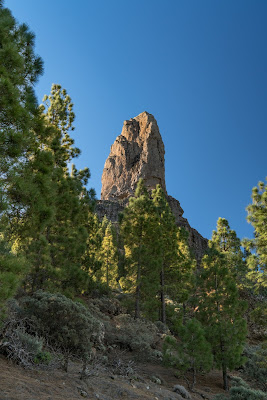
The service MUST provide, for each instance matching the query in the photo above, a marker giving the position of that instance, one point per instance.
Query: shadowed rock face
(138, 152)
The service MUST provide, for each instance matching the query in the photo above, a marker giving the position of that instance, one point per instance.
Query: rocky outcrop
(110, 209)
(196, 241)
(138, 152)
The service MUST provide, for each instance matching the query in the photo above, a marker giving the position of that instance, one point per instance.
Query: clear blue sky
(200, 67)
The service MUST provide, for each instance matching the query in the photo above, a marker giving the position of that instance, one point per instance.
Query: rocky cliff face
(138, 152)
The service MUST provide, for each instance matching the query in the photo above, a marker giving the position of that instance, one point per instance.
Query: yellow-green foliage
(257, 216)
(108, 272)
(12, 270)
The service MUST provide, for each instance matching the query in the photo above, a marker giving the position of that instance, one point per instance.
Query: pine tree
(139, 230)
(91, 258)
(257, 216)
(33, 208)
(227, 242)
(58, 111)
(44, 207)
(68, 233)
(167, 243)
(12, 270)
(104, 224)
(220, 311)
(176, 274)
(182, 276)
(190, 353)
(50, 207)
(19, 71)
(109, 259)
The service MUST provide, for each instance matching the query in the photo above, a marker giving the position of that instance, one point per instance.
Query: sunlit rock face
(138, 152)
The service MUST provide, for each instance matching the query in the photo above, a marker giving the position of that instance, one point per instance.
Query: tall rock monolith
(138, 152)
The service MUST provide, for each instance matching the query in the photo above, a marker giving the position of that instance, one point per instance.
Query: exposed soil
(17, 383)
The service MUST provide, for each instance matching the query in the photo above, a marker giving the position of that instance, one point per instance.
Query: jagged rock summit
(138, 152)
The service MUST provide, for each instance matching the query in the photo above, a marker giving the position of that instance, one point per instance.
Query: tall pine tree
(167, 242)
(191, 353)
(50, 207)
(176, 263)
(20, 69)
(140, 233)
(220, 311)
(227, 242)
(67, 234)
(257, 216)
(109, 259)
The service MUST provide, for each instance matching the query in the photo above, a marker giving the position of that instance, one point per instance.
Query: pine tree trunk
(137, 302)
(66, 363)
(83, 372)
(107, 276)
(225, 379)
(194, 378)
(224, 369)
(137, 295)
(184, 313)
(162, 296)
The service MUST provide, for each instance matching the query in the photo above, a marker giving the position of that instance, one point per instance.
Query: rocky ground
(101, 383)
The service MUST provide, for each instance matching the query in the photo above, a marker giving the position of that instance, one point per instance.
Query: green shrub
(108, 305)
(43, 357)
(31, 344)
(237, 381)
(162, 328)
(243, 393)
(136, 335)
(240, 390)
(259, 315)
(64, 324)
(15, 342)
(255, 368)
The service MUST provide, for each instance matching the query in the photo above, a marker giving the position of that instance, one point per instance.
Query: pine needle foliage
(191, 353)
(257, 247)
(226, 241)
(109, 259)
(12, 270)
(176, 264)
(140, 232)
(20, 69)
(220, 311)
